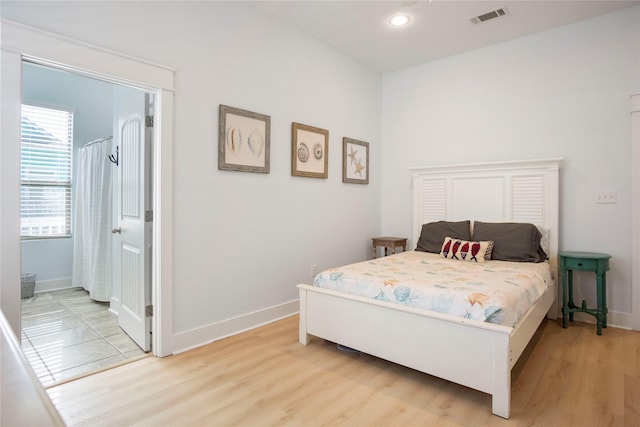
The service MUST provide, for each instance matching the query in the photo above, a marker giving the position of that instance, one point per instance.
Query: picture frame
(309, 151)
(355, 161)
(244, 140)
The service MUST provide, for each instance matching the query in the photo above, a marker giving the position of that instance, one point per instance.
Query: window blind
(45, 172)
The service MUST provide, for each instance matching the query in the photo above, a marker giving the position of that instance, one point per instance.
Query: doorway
(21, 43)
(69, 327)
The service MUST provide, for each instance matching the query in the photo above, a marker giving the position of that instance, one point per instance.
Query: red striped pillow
(464, 250)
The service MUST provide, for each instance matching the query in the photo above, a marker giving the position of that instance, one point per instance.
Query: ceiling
(438, 28)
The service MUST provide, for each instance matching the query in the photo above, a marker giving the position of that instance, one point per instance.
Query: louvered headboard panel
(519, 191)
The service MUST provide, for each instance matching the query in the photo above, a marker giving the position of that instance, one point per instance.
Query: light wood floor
(566, 377)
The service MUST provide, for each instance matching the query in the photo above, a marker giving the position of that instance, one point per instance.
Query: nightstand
(584, 261)
(388, 242)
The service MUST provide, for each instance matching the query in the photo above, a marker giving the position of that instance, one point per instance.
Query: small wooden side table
(584, 261)
(388, 242)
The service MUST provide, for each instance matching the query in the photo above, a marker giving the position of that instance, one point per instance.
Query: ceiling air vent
(489, 15)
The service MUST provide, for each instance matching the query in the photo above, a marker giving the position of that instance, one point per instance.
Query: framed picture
(355, 161)
(243, 140)
(309, 151)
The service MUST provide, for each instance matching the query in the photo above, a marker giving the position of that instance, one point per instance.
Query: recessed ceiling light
(399, 20)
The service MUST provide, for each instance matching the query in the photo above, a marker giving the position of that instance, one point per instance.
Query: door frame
(635, 211)
(20, 42)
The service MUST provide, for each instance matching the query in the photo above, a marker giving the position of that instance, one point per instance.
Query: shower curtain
(92, 220)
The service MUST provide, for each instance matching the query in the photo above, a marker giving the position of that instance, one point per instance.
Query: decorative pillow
(512, 241)
(464, 250)
(433, 234)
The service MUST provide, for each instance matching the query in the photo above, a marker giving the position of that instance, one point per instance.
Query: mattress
(498, 292)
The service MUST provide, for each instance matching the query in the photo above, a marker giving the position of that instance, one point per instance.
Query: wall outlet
(314, 270)
(605, 196)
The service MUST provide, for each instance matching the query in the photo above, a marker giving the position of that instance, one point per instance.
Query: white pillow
(544, 240)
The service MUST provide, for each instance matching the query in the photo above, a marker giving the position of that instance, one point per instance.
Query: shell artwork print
(352, 155)
(355, 161)
(303, 152)
(359, 167)
(255, 143)
(243, 140)
(356, 164)
(317, 151)
(233, 140)
(309, 149)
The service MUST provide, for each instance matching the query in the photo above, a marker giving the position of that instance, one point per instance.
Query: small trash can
(27, 284)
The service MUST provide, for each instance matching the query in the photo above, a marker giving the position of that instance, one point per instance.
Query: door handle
(116, 230)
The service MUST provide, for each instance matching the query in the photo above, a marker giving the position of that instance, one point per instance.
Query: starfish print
(352, 155)
(359, 168)
(478, 298)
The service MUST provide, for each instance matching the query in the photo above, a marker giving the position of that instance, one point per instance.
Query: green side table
(584, 261)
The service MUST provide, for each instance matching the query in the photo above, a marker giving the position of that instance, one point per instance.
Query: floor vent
(489, 15)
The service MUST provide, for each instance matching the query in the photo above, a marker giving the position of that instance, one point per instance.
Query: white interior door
(133, 229)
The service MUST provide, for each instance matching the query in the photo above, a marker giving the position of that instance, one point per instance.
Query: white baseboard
(52, 285)
(198, 337)
(114, 306)
(615, 319)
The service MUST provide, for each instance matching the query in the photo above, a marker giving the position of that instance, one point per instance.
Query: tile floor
(66, 334)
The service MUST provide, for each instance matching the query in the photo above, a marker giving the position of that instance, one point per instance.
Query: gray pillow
(512, 241)
(433, 234)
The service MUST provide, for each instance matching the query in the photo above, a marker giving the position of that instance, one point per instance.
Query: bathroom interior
(70, 319)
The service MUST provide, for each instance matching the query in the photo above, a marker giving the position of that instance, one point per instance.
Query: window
(45, 172)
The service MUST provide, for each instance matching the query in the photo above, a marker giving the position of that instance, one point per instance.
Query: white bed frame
(475, 354)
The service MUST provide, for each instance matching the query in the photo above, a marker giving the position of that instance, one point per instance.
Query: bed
(475, 353)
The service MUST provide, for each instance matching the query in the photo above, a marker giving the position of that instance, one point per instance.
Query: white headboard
(514, 191)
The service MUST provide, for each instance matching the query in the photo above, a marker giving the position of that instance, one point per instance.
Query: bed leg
(500, 404)
(501, 396)
(303, 336)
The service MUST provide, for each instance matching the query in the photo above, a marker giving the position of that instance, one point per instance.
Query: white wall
(243, 241)
(562, 93)
(92, 104)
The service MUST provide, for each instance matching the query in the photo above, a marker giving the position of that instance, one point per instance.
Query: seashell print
(493, 314)
(255, 143)
(381, 296)
(303, 152)
(478, 298)
(402, 293)
(317, 151)
(335, 275)
(233, 140)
